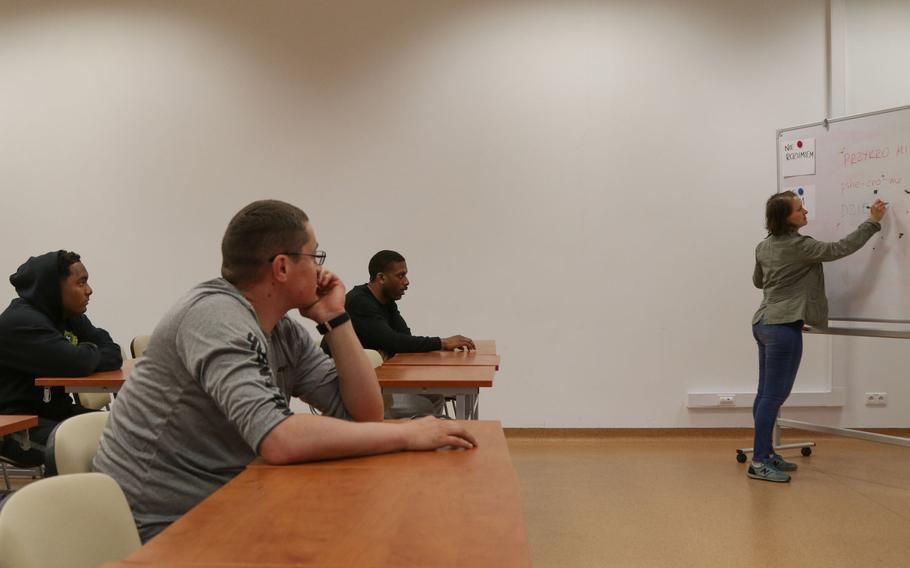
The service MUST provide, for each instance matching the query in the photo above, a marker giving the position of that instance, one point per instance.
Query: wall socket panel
(876, 398)
(726, 400)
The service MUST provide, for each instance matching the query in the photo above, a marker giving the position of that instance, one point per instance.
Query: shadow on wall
(330, 42)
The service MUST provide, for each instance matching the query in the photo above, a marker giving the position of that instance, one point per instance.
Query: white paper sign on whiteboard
(797, 157)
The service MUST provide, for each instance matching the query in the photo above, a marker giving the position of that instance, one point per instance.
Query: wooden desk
(444, 358)
(16, 426)
(107, 381)
(10, 423)
(134, 564)
(485, 355)
(462, 382)
(444, 508)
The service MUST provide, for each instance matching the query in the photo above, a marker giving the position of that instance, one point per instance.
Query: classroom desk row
(12, 423)
(443, 508)
(16, 425)
(450, 373)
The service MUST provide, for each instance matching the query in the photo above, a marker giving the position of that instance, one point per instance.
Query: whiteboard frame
(859, 332)
(826, 123)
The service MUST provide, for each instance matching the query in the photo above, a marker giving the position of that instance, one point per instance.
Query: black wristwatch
(328, 326)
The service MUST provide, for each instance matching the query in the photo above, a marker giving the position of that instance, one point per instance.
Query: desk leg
(24, 441)
(473, 403)
(47, 395)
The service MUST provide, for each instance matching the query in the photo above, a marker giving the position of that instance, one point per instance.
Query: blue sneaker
(781, 464)
(767, 472)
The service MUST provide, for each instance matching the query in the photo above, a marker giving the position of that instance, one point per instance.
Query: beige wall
(582, 181)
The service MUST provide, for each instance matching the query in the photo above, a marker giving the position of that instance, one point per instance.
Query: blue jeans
(780, 349)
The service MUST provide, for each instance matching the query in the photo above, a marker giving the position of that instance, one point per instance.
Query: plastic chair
(376, 360)
(374, 356)
(138, 345)
(75, 442)
(96, 400)
(79, 521)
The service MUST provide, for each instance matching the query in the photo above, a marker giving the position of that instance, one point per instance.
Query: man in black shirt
(379, 326)
(44, 332)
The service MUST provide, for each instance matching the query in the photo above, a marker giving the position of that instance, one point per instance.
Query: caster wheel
(740, 457)
(806, 452)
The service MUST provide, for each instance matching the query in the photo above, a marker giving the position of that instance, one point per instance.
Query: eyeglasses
(318, 256)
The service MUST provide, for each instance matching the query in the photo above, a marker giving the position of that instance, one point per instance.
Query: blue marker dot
(800, 191)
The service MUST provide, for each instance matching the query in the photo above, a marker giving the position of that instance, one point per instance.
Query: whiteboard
(839, 167)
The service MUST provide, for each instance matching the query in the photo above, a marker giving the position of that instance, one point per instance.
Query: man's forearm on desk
(304, 437)
(357, 379)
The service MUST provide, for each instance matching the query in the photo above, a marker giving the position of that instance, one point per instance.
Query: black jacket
(37, 340)
(380, 326)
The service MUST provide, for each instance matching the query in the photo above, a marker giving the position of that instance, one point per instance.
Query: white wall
(877, 74)
(875, 77)
(581, 181)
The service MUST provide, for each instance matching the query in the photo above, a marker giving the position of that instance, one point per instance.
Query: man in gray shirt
(214, 387)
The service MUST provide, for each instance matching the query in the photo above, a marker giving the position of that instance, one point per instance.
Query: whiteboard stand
(860, 332)
(839, 166)
(805, 447)
(849, 432)
(846, 432)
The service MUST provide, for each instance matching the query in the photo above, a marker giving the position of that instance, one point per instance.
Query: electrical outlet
(876, 398)
(726, 400)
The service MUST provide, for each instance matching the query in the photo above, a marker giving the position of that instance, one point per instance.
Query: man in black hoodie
(44, 332)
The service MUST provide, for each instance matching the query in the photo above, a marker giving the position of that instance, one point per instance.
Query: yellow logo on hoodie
(71, 337)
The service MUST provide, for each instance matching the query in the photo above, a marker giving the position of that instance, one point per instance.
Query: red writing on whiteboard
(853, 158)
(861, 183)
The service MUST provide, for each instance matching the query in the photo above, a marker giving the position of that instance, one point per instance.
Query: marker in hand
(877, 210)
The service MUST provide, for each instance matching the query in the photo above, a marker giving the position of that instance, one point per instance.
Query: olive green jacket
(788, 269)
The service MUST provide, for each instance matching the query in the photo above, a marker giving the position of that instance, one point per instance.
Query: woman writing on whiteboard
(788, 268)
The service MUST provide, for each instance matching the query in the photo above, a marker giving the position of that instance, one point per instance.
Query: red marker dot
(799, 143)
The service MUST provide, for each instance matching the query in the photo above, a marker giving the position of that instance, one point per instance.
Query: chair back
(374, 356)
(78, 521)
(138, 345)
(76, 442)
(94, 400)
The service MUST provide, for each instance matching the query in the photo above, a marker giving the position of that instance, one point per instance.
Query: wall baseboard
(714, 433)
(836, 397)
